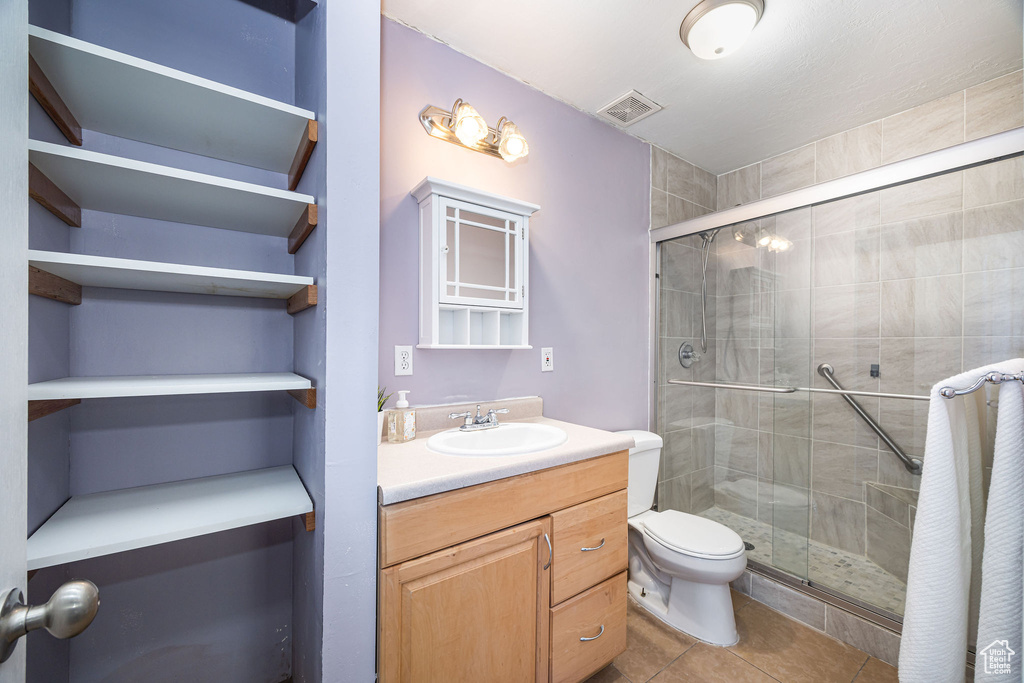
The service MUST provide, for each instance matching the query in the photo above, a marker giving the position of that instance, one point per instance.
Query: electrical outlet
(547, 359)
(403, 360)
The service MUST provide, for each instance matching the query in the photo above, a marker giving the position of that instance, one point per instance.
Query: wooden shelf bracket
(44, 191)
(302, 229)
(300, 301)
(50, 100)
(306, 397)
(53, 287)
(309, 519)
(302, 154)
(38, 409)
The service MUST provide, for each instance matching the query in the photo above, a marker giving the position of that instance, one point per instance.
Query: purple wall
(589, 246)
(352, 58)
(310, 340)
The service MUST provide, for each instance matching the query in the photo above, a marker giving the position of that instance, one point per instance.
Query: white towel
(1002, 586)
(944, 553)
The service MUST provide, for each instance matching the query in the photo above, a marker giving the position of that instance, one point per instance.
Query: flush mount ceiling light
(464, 126)
(716, 28)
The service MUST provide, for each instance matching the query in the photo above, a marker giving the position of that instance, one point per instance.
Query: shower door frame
(948, 160)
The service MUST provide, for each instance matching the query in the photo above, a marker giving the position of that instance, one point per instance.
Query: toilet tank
(644, 460)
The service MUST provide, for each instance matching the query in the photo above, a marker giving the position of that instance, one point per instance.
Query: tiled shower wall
(679, 191)
(918, 279)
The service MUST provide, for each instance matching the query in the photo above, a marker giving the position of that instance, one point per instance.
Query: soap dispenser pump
(401, 421)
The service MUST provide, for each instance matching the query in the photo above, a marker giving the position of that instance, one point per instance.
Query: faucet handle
(500, 411)
(455, 416)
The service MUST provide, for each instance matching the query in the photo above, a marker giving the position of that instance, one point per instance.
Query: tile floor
(853, 575)
(772, 647)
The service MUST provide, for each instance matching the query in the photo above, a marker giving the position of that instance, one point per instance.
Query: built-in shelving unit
(103, 182)
(85, 86)
(121, 95)
(77, 270)
(111, 522)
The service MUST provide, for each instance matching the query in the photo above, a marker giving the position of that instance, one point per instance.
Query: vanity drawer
(598, 525)
(599, 613)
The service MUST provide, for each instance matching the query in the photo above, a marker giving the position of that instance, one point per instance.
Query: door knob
(68, 612)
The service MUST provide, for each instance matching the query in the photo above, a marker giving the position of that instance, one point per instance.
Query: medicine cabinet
(474, 267)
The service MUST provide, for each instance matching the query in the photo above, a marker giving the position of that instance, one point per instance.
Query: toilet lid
(693, 534)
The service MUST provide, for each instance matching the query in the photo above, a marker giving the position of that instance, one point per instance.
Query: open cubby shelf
(115, 521)
(121, 95)
(103, 182)
(471, 327)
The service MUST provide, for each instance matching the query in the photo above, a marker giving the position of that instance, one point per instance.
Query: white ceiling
(811, 68)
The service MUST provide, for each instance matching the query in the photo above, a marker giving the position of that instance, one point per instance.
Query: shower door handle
(68, 612)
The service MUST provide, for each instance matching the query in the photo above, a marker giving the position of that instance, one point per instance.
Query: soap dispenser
(401, 421)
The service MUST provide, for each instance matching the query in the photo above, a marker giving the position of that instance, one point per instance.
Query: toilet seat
(693, 535)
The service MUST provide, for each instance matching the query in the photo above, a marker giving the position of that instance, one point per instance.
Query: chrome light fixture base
(705, 6)
(439, 123)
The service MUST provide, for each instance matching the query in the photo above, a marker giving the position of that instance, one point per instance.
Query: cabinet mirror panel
(482, 253)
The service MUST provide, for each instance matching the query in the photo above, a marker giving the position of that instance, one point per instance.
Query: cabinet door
(482, 255)
(474, 612)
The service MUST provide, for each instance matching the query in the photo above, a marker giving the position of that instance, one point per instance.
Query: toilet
(680, 565)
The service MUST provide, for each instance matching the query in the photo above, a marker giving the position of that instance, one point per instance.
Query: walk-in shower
(823, 317)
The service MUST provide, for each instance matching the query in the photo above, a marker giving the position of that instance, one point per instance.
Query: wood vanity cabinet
(470, 589)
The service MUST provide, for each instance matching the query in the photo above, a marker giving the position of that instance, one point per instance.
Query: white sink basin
(514, 438)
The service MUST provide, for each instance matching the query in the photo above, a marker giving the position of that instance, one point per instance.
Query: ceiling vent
(628, 109)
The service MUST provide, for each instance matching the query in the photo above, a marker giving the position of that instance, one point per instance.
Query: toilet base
(701, 610)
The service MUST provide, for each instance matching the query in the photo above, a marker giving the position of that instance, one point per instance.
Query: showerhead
(709, 236)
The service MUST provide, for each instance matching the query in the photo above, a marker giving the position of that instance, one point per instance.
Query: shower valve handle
(688, 355)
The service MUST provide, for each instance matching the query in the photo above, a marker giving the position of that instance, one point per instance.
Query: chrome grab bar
(726, 385)
(913, 465)
(790, 390)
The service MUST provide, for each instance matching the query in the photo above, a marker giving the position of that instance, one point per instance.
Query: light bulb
(721, 30)
(470, 128)
(512, 144)
(765, 240)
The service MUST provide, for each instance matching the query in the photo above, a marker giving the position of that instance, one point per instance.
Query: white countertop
(408, 470)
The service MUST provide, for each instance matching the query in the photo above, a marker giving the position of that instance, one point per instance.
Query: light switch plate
(547, 359)
(403, 360)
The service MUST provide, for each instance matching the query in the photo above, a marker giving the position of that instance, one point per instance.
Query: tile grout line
(857, 675)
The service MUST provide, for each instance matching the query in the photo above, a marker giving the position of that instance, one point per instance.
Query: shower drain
(748, 546)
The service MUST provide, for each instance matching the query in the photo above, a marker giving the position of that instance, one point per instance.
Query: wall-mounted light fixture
(464, 126)
(715, 28)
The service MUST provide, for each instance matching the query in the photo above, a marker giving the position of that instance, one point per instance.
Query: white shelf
(163, 385)
(101, 271)
(121, 95)
(117, 185)
(104, 523)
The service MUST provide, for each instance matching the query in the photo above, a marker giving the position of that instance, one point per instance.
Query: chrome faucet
(480, 421)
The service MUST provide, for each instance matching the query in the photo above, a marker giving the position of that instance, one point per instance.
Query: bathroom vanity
(514, 578)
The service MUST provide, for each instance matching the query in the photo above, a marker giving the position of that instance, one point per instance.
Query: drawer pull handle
(550, 553)
(601, 633)
(598, 547)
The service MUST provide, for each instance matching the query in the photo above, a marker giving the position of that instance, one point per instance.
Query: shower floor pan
(844, 572)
